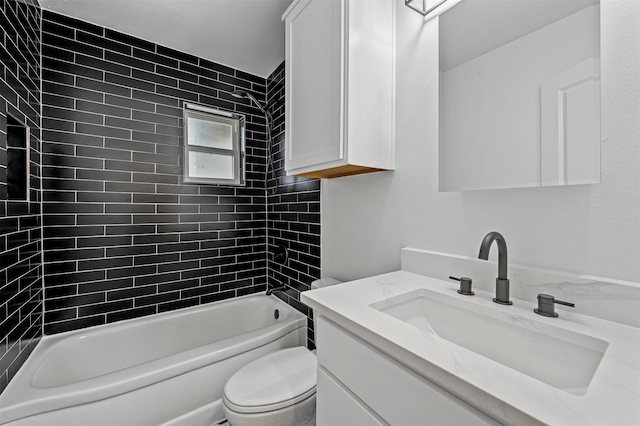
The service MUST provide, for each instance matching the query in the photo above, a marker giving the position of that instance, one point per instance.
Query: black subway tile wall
(123, 236)
(293, 214)
(20, 223)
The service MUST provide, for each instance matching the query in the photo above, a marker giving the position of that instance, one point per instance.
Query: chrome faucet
(502, 282)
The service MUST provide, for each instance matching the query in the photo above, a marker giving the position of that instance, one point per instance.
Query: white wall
(585, 229)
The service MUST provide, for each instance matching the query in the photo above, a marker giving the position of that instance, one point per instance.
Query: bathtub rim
(21, 399)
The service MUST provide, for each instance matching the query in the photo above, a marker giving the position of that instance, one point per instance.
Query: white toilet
(278, 389)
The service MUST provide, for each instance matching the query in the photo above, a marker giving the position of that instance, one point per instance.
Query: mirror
(519, 94)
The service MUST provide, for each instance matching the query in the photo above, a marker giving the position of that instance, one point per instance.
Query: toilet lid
(274, 381)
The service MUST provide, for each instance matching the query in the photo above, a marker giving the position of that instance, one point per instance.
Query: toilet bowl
(278, 389)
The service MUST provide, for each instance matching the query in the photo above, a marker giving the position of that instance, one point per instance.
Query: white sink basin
(558, 357)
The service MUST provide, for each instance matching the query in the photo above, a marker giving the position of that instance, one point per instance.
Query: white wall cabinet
(339, 107)
(372, 388)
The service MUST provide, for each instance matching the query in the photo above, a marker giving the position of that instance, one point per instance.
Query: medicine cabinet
(519, 94)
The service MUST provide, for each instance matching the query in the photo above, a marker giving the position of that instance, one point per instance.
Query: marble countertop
(611, 398)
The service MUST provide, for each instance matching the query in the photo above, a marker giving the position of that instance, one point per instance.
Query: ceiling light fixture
(423, 7)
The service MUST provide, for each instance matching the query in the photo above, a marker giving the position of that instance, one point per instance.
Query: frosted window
(213, 146)
(216, 166)
(210, 134)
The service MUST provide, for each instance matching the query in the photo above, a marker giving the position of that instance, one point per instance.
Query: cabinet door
(314, 83)
(398, 395)
(336, 406)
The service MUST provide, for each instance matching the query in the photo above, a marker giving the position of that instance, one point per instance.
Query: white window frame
(201, 112)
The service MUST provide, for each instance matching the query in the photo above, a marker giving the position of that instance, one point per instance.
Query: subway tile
(156, 118)
(157, 178)
(177, 93)
(103, 264)
(129, 208)
(178, 285)
(129, 124)
(172, 150)
(215, 66)
(132, 166)
(132, 271)
(103, 42)
(198, 70)
(76, 300)
(149, 55)
(75, 254)
(76, 69)
(129, 146)
(201, 291)
(75, 231)
(169, 110)
(61, 315)
(136, 43)
(216, 102)
(58, 77)
(103, 219)
(130, 229)
(49, 51)
(103, 175)
(59, 101)
(178, 266)
(71, 161)
(129, 61)
(133, 250)
(105, 131)
(101, 308)
(132, 187)
(183, 229)
(103, 87)
(106, 285)
(102, 65)
(72, 22)
(98, 108)
(71, 115)
(74, 46)
(72, 138)
(131, 293)
(75, 324)
(130, 314)
(134, 104)
(99, 241)
(176, 55)
(156, 299)
(140, 95)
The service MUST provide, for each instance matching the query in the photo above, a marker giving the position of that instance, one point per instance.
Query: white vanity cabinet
(360, 385)
(339, 107)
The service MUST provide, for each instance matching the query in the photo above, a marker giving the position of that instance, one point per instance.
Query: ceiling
(243, 34)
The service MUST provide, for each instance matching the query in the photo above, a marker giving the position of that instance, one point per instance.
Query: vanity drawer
(396, 393)
(336, 406)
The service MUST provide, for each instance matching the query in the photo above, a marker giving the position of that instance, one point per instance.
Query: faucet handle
(546, 305)
(465, 285)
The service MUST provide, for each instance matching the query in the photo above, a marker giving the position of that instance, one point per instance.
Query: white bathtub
(166, 369)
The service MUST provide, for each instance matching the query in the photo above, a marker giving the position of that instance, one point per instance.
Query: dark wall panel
(124, 237)
(20, 225)
(293, 214)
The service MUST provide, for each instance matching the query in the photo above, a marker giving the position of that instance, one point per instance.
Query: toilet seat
(275, 381)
